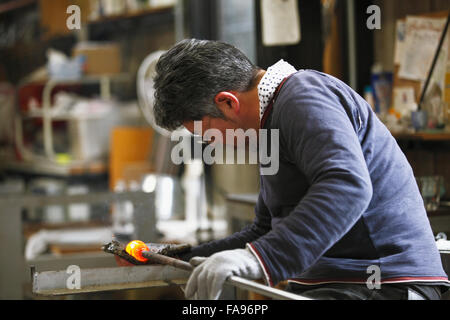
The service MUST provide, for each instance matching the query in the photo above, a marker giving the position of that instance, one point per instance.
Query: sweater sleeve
(318, 132)
(260, 226)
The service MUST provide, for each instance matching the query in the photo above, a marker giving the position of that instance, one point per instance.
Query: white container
(80, 211)
(90, 133)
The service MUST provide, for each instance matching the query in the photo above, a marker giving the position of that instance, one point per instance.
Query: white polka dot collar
(270, 82)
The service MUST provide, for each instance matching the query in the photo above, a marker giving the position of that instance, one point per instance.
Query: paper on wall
(280, 22)
(421, 42)
(404, 100)
(399, 41)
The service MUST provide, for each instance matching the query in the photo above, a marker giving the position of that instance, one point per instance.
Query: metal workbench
(13, 269)
(56, 283)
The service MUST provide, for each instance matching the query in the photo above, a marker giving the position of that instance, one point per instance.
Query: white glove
(207, 279)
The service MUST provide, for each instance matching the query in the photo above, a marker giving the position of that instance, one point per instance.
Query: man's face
(240, 110)
(208, 123)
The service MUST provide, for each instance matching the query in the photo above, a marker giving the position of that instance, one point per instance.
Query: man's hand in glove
(207, 279)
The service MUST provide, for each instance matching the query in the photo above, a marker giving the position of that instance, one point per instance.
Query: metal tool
(232, 280)
(55, 283)
(167, 271)
(165, 260)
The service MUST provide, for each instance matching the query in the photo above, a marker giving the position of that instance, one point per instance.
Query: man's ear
(227, 102)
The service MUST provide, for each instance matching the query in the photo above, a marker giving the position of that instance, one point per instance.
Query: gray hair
(190, 75)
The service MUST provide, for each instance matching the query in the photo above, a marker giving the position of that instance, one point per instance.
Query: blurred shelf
(440, 212)
(55, 117)
(48, 165)
(52, 262)
(133, 14)
(86, 79)
(54, 169)
(423, 136)
(29, 227)
(14, 4)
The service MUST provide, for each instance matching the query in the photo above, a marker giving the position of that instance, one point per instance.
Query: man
(344, 200)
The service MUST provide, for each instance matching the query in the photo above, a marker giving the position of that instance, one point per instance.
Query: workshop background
(81, 163)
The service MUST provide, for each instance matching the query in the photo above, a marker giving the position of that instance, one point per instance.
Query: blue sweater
(344, 198)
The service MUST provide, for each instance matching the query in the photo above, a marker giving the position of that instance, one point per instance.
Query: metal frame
(12, 265)
(54, 283)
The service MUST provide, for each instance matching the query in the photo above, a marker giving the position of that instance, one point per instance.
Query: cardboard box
(101, 58)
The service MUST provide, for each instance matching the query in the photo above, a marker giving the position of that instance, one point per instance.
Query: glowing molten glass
(135, 248)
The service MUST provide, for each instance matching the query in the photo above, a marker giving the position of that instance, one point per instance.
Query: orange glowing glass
(135, 248)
